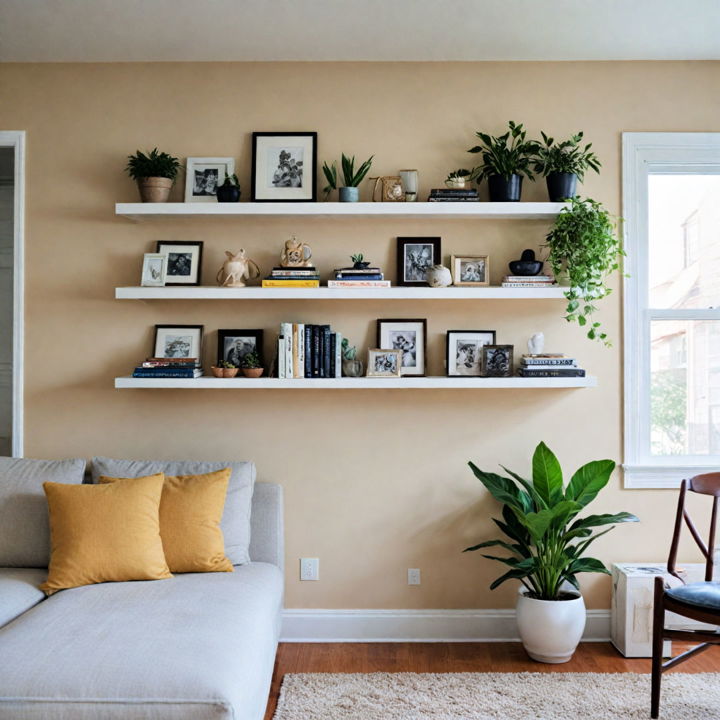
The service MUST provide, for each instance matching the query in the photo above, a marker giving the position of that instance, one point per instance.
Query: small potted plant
(349, 191)
(351, 366)
(547, 545)
(562, 164)
(359, 262)
(457, 179)
(224, 370)
(505, 160)
(229, 191)
(251, 365)
(154, 172)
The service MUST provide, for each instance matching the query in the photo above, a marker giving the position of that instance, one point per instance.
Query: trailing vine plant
(584, 244)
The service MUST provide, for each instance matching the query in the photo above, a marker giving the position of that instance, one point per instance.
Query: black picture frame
(451, 363)
(434, 242)
(224, 334)
(281, 194)
(400, 321)
(488, 371)
(166, 326)
(169, 276)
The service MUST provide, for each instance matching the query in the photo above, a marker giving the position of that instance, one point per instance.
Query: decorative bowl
(526, 267)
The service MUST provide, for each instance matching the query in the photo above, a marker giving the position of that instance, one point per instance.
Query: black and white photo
(464, 351)
(204, 175)
(415, 256)
(284, 167)
(384, 363)
(178, 341)
(153, 270)
(470, 270)
(234, 345)
(184, 261)
(497, 361)
(409, 337)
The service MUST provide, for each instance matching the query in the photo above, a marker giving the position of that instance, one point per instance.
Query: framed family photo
(184, 261)
(284, 167)
(234, 345)
(470, 270)
(204, 175)
(153, 270)
(497, 360)
(178, 341)
(415, 256)
(464, 351)
(384, 363)
(410, 338)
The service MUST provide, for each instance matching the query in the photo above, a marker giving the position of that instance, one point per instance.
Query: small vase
(253, 372)
(349, 194)
(353, 368)
(561, 186)
(456, 183)
(504, 189)
(228, 193)
(154, 189)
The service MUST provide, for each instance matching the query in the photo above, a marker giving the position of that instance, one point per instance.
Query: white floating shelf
(364, 383)
(462, 210)
(324, 293)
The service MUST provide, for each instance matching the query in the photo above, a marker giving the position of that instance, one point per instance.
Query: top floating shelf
(463, 210)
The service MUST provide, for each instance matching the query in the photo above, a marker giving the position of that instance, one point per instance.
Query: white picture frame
(203, 175)
(154, 270)
(463, 351)
(178, 341)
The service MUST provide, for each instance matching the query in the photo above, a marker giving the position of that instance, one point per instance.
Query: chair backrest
(707, 484)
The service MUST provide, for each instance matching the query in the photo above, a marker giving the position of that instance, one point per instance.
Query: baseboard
(311, 625)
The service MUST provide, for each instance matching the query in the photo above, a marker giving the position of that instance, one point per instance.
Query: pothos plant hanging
(584, 245)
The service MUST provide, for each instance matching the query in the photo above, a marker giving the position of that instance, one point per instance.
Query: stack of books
(362, 277)
(309, 351)
(453, 195)
(169, 368)
(547, 365)
(292, 277)
(528, 281)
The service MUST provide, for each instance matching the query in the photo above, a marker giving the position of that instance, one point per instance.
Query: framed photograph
(384, 363)
(497, 360)
(204, 175)
(153, 270)
(184, 261)
(415, 256)
(410, 338)
(464, 351)
(284, 167)
(234, 345)
(470, 269)
(178, 341)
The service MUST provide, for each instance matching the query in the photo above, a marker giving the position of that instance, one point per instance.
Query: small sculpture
(235, 268)
(295, 254)
(536, 344)
(438, 276)
(527, 265)
(391, 188)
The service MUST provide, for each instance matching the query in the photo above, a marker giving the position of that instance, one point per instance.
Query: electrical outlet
(413, 576)
(309, 568)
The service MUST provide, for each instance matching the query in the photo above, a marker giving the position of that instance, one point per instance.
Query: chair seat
(704, 595)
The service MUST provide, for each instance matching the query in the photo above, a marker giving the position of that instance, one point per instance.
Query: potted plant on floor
(154, 172)
(505, 160)
(562, 164)
(547, 543)
(251, 365)
(584, 248)
(349, 191)
(224, 370)
(229, 191)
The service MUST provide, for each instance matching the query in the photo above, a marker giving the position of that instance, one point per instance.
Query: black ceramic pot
(561, 186)
(228, 193)
(504, 189)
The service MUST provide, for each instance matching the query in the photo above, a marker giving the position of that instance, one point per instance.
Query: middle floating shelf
(324, 293)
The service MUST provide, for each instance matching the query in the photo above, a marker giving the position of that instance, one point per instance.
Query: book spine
(301, 350)
(291, 283)
(528, 285)
(286, 332)
(549, 361)
(379, 276)
(281, 357)
(163, 374)
(523, 366)
(359, 283)
(576, 372)
(308, 351)
(329, 352)
(295, 354)
(316, 351)
(338, 354)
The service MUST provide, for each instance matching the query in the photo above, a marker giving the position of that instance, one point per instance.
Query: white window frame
(644, 154)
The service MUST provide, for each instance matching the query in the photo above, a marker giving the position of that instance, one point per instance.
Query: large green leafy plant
(567, 156)
(547, 542)
(584, 244)
(153, 164)
(505, 155)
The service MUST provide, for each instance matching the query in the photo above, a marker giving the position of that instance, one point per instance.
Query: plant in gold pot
(225, 370)
(251, 365)
(155, 173)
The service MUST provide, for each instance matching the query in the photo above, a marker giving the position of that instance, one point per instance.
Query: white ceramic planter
(550, 630)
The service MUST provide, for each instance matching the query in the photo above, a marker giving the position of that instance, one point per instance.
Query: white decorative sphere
(439, 276)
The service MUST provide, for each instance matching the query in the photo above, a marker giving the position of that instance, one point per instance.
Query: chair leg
(657, 646)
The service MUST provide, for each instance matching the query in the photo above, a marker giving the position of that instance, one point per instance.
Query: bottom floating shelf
(363, 383)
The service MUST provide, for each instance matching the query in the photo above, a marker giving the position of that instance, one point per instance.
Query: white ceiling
(209, 30)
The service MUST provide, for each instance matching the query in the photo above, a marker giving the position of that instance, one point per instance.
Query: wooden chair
(699, 601)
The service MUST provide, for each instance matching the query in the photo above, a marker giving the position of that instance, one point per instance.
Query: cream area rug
(500, 696)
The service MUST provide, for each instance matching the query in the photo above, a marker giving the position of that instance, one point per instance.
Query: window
(671, 206)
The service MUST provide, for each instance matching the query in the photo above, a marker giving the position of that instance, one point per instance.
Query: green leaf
(547, 475)
(539, 502)
(603, 519)
(538, 523)
(503, 489)
(520, 571)
(589, 480)
(494, 543)
(587, 565)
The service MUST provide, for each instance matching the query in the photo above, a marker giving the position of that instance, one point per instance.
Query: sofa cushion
(19, 591)
(235, 523)
(194, 647)
(24, 527)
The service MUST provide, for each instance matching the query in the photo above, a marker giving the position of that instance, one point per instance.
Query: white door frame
(16, 139)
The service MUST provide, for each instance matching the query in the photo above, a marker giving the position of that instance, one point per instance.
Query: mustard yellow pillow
(191, 508)
(101, 533)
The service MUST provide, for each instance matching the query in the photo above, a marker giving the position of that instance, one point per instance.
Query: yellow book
(291, 283)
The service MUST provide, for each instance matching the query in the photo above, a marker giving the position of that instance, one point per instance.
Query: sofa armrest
(267, 543)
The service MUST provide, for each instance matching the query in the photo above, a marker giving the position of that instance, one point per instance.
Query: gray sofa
(197, 646)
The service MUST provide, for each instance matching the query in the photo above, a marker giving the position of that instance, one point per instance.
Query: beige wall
(375, 481)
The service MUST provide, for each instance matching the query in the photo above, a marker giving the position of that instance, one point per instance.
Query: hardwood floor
(456, 657)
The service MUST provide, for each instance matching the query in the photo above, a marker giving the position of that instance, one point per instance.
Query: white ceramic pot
(438, 276)
(550, 630)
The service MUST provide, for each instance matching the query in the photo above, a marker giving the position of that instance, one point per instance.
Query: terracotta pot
(220, 372)
(154, 189)
(253, 372)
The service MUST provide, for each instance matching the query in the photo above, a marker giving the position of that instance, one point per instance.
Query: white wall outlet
(309, 568)
(413, 576)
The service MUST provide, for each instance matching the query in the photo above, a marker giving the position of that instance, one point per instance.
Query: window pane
(684, 239)
(685, 387)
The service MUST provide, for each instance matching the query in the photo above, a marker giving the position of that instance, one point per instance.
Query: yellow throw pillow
(191, 508)
(101, 533)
